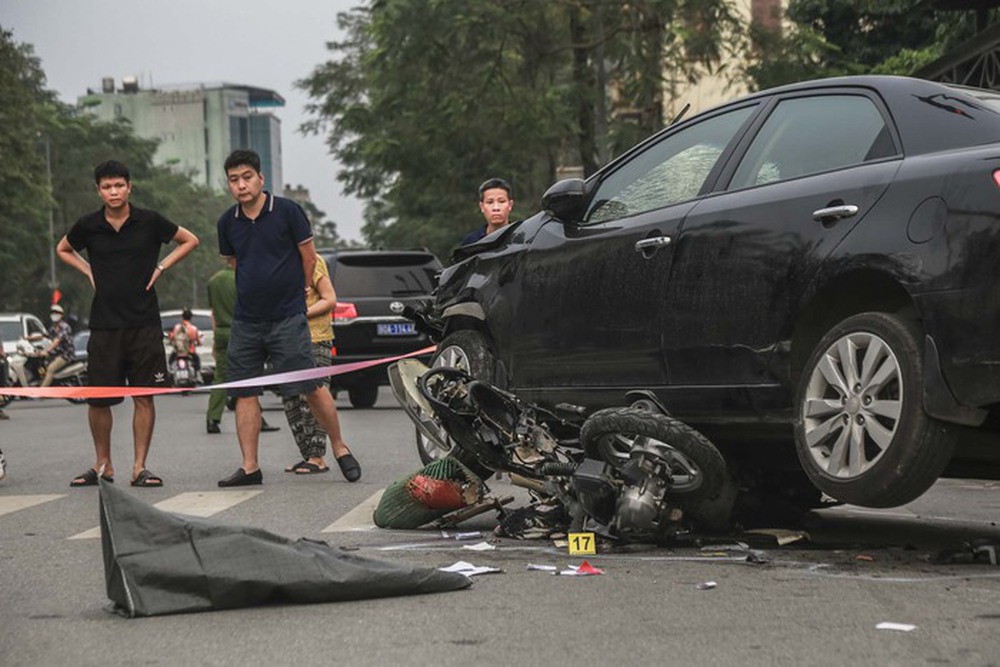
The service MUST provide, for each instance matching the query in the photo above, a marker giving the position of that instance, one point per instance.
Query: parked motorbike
(631, 473)
(27, 366)
(182, 363)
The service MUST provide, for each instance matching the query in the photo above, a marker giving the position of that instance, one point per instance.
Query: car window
(373, 276)
(668, 172)
(10, 331)
(34, 326)
(201, 322)
(808, 135)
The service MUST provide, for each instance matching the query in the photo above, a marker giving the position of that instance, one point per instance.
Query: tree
(25, 119)
(34, 126)
(841, 37)
(426, 98)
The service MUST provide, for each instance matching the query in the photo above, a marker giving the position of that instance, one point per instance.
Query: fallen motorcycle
(632, 473)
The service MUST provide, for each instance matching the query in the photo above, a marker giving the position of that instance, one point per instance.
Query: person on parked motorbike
(61, 350)
(4, 370)
(185, 329)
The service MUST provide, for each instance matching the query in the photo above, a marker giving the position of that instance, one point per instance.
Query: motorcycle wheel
(466, 350)
(76, 381)
(697, 467)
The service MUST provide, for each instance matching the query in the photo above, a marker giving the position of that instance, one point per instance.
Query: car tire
(363, 396)
(861, 432)
(469, 351)
(610, 434)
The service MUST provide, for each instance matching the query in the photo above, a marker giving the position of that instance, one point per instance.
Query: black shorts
(119, 356)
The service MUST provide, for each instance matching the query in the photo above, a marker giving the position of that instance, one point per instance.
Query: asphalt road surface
(817, 601)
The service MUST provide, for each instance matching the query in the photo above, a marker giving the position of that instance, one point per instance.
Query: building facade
(198, 127)
(714, 88)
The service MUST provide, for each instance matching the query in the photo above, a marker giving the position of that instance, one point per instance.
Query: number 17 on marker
(582, 543)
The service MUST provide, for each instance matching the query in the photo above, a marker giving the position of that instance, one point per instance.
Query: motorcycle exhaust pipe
(535, 485)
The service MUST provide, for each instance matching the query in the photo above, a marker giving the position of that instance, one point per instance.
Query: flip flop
(296, 466)
(89, 478)
(309, 468)
(146, 478)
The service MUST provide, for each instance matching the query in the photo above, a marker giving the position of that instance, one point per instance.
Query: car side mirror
(566, 199)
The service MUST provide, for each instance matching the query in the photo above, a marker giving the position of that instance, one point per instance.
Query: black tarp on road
(161, 563)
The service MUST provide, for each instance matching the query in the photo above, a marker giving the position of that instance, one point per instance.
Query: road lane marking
(193, 503)
(10, 504)
(358, 519)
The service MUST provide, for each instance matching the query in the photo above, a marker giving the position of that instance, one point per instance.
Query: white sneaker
(3, 465)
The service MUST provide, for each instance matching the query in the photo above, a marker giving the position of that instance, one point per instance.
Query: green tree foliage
(842, 37)
(25, 119)
(425, 99)
(32, 124)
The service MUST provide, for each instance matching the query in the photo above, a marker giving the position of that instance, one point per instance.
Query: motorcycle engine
(642, 507)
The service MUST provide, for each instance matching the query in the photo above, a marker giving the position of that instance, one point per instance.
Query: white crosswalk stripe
(10, 504)
(196, 503)
(358, 519)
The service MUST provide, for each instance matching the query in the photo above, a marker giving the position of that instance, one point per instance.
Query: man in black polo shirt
(126, 339)
(269, 242)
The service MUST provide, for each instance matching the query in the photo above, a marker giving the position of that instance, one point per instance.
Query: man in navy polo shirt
(268, 241)
(123, 244)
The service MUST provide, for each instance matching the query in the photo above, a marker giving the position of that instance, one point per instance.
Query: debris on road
(774, 537)
(899, 627)
(707, 585)
(467, 535)
(974, 551)
(584, 569)
(542, 568)
(470, 570)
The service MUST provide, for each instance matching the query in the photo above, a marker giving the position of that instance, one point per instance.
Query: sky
(266, 43)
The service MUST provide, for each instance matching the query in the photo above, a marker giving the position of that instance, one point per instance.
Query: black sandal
(89, 478)
(146, 478)
(309, 468)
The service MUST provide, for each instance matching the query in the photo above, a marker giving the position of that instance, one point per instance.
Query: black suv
(373, 287)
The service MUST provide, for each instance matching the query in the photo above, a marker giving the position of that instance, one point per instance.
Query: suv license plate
(403, 329)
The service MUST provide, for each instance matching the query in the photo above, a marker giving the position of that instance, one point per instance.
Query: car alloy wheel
(861, 434)
(852, 405)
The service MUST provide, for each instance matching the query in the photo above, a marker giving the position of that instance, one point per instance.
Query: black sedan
(814, 264)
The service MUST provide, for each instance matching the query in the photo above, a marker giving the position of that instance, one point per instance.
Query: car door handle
(652, 243)
(835, 212)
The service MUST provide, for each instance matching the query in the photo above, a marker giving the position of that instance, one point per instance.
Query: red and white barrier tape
(263, 381)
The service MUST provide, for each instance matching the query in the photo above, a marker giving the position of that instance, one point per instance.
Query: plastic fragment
(900, 627)
(470, 570)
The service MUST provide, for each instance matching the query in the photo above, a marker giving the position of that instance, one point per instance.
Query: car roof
(912, 101)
